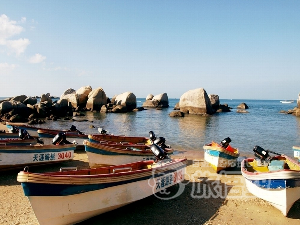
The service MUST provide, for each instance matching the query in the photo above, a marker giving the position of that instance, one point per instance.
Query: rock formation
(157, 101)
(195, 102)
(96, 99)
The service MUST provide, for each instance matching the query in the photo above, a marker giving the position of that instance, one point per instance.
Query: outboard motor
(225, 142)
(73, 128)
(261, 153)
(161, 141)
(14, 129)
(23, 134)
(57, 139)
(159, 153)
(152, 136)
(102, 131)
(60, 139)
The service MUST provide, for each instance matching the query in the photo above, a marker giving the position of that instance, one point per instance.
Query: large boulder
(62, 108)
(298, 101)
(5, 107)
(243, 105)
(96, 99)
(127, 99)
(20, 98)
(71, 96)
(30, 101)
(46, 98)
(157, 101)
(15, 108)
(214, 101)
(149, 97)
(195, 102)
(82, 95)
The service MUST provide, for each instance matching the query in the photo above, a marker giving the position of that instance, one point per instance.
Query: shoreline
(231, 204)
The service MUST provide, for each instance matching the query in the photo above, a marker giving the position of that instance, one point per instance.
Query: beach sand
(207, 198)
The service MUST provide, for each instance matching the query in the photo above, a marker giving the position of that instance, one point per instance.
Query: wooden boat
(4, 136)
(297, 152)
(20, 156)
(110, 154)
(69, 197)
(14, 141)
(32, 130)
(51, 133)
(119, 138)
(277, 182)
(220, 157)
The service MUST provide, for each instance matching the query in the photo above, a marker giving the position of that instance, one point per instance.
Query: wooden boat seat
(277, 165)
(255, 167)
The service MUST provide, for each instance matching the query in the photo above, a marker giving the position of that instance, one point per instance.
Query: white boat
(220, 157)
(287, 101)
(69, 197)
(277, 182)
(12, 156)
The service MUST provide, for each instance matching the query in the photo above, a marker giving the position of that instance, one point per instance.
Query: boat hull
(4, 136)
(58, 204)
(20, 156)
(281, 198)
(99, 154)
(116, 138)
(30, 129)
(279, 187)
(220, 158)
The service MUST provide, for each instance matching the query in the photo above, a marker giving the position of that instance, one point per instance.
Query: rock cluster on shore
(71, 103)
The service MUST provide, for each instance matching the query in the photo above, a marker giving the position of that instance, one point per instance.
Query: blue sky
(232, 48)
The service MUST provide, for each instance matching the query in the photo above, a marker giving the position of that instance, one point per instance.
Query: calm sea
(263, 126)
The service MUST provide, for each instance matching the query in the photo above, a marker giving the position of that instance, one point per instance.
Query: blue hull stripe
(219, 154)
(93, 141)
(41, 189)
(277, 183)
(21, 127)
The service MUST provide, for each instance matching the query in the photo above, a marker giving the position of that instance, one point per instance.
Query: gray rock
(127, 99)
(214, 101)
(195, 102)
(161, 101)
(82, 95)
(96, 99)
(243, 106)
(149, 97)
(176, 114)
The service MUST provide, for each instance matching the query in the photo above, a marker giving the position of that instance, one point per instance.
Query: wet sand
(199, 203)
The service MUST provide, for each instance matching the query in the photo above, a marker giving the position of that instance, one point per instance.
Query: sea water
(263, 125)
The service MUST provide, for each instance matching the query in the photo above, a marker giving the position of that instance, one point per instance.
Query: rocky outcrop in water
(295, 111)
(96, 99)
(157, 101)
(214, 101)
(243, 106)
(196, 102)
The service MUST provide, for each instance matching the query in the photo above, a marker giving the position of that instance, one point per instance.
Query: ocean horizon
(263, 125)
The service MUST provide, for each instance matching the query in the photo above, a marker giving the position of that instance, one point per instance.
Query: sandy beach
(207, 198)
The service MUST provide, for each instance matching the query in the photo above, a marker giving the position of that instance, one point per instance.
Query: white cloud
(8, 28)
(6, 68)
(37, 58)
(18, 46)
